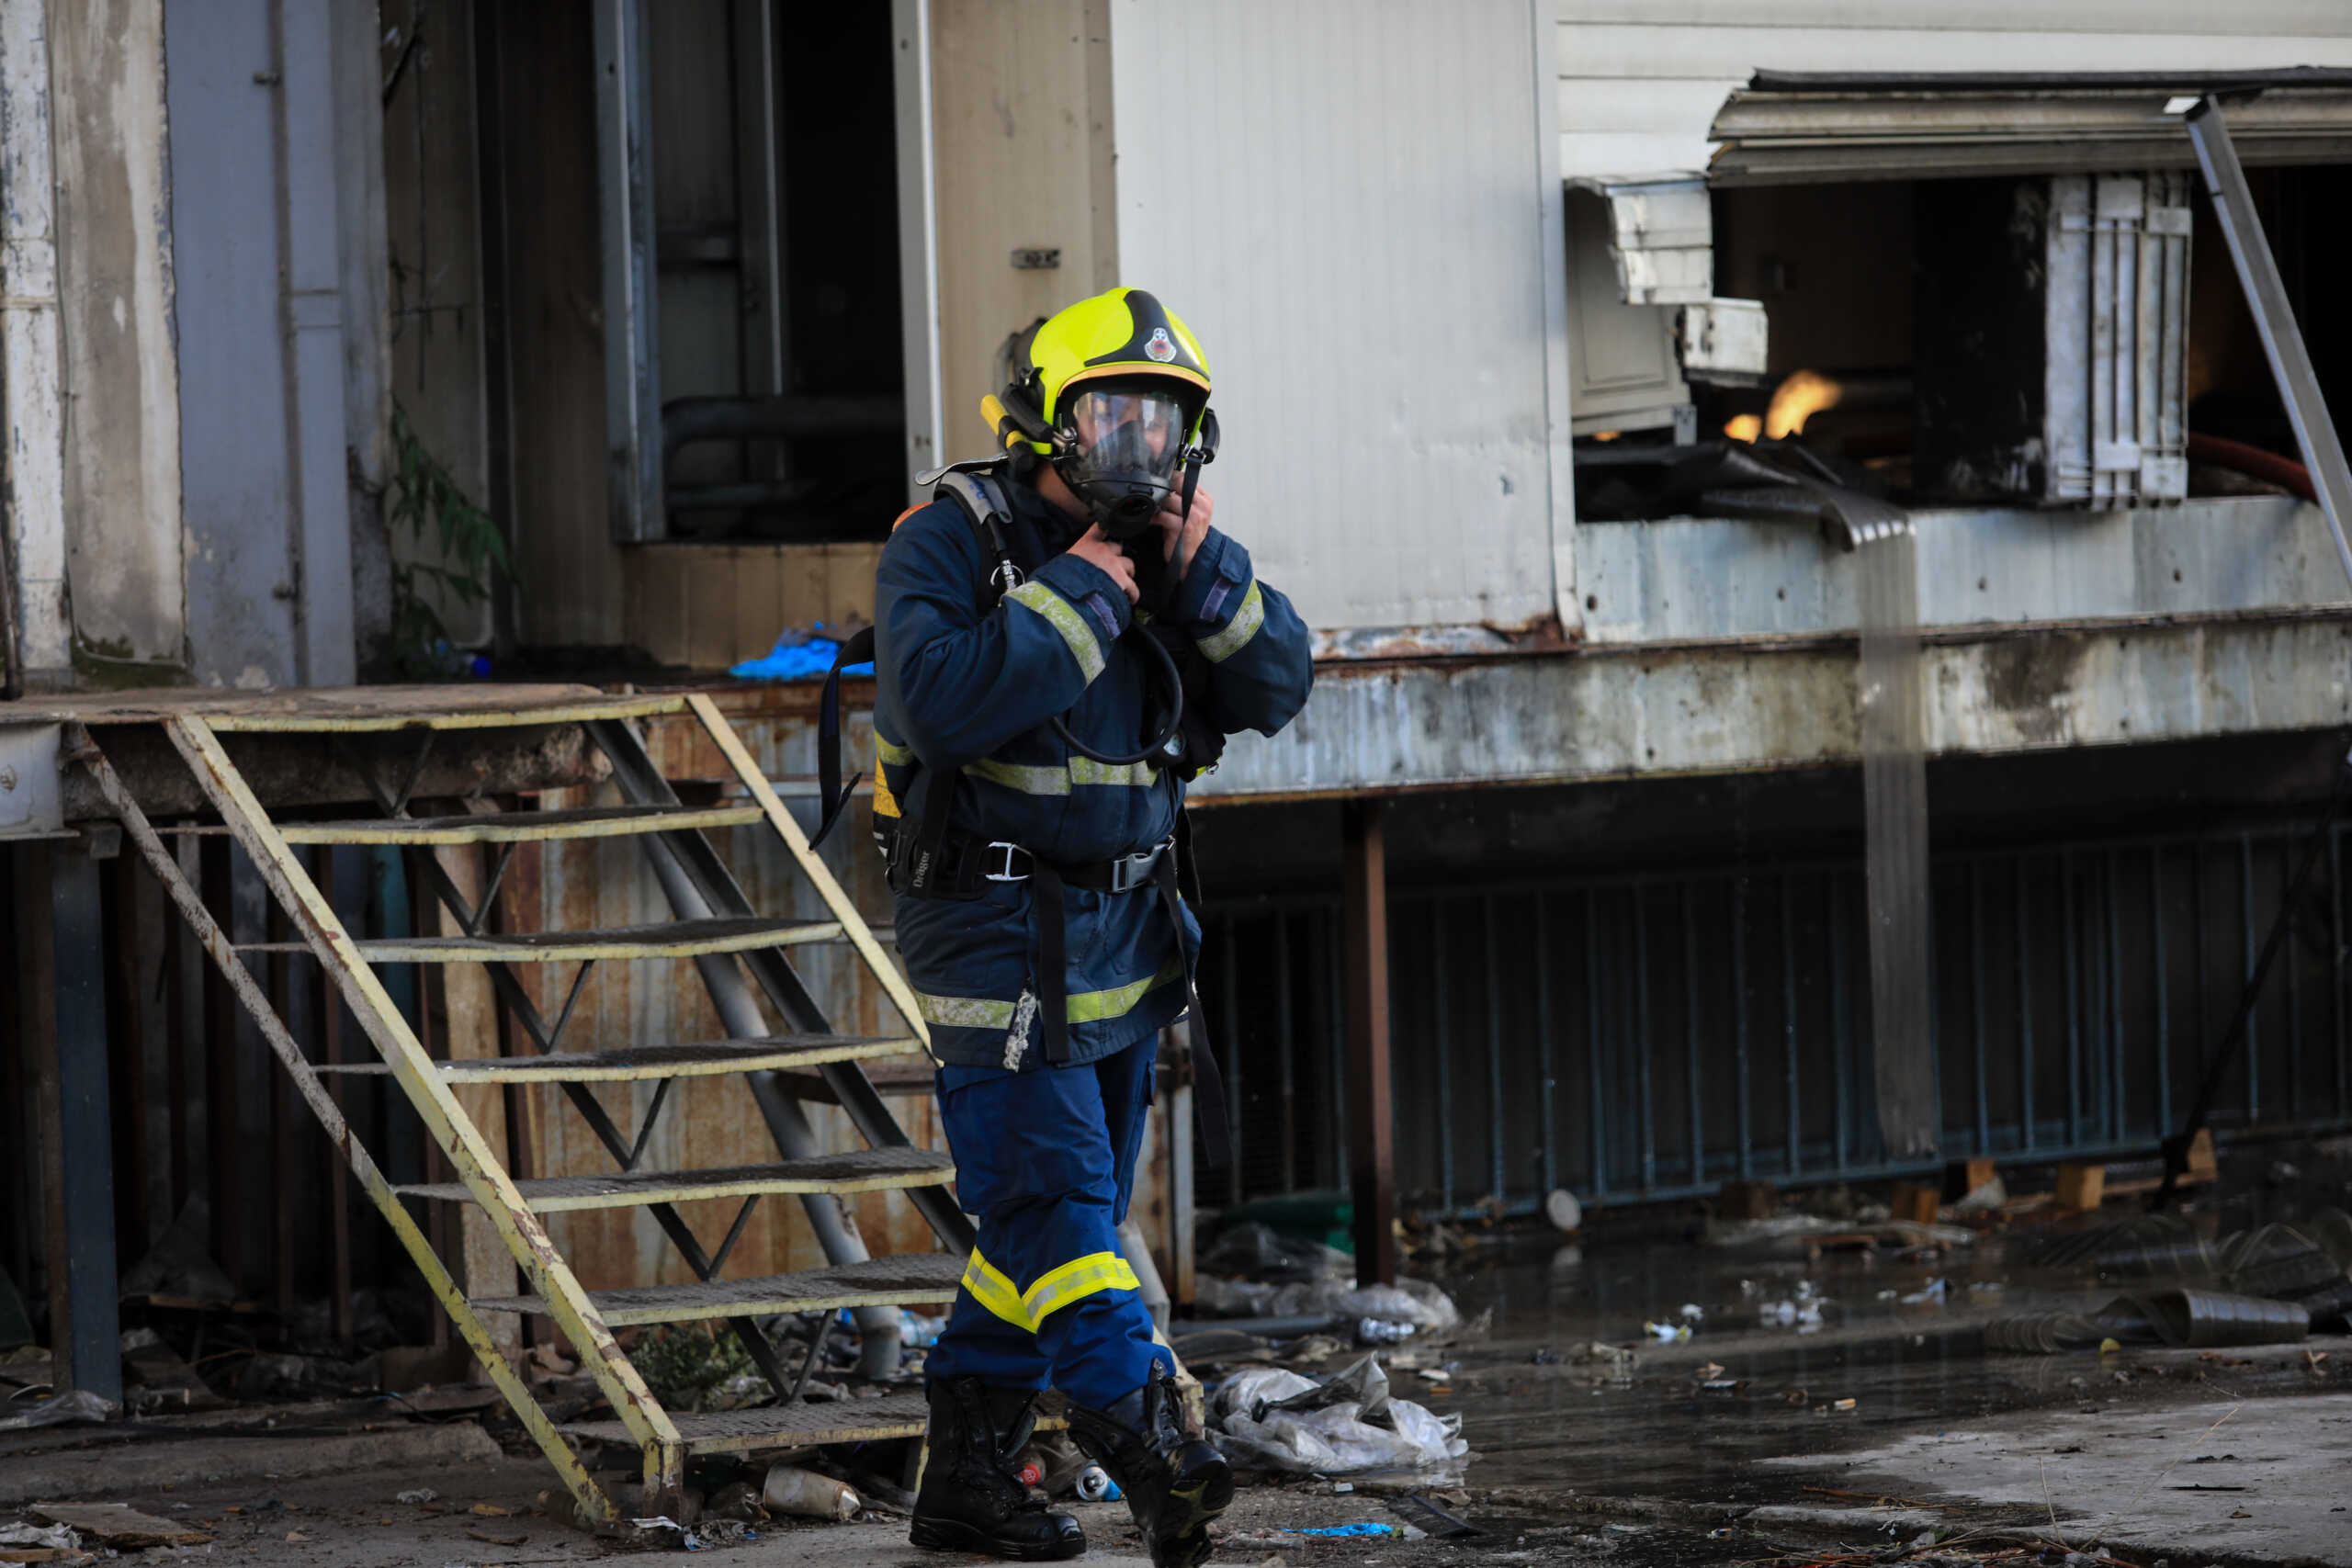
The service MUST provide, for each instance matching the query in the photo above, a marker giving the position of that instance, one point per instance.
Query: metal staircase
(716, 926)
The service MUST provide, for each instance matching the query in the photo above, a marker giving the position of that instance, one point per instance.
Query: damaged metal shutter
(1795, 127)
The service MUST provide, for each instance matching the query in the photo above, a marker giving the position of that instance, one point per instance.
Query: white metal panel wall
(1640, 80)
(1347, 200)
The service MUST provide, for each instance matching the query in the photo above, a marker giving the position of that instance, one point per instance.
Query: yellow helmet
(1115, 392)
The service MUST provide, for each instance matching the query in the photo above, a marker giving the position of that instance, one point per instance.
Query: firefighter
(1062, 640)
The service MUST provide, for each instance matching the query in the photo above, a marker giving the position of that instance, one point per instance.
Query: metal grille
(1638, 1037)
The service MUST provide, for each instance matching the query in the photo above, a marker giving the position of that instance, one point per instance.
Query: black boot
(972, 1498)
(1175, 1482)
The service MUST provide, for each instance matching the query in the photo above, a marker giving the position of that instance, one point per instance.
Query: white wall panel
(1641, 79)
(1346, 200)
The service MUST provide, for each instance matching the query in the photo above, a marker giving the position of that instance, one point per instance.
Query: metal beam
(2274, 318)
(70, 1070)
(1372, 1160)
(632, 336)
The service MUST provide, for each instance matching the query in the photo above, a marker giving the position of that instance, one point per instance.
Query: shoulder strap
(980, 492)
(834, 795)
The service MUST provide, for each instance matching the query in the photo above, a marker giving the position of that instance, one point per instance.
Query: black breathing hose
(1153, 746)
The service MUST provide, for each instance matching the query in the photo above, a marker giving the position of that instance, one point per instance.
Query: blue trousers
(1044, 1161)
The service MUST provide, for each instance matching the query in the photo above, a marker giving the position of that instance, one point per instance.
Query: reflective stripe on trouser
(1045, 1161)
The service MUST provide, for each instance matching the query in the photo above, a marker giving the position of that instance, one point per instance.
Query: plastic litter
(1561, 1207)
(1355, 1529)
(2330, 1231)
(1983, 1198)
(2278, 1261)
(76, 1405)
(417, 1495)
(56, 1537)
(1416, 1509)
(792, 1490)
(1348, 1424)
(1259, 1252)
(2201, 1319)
(1667, 1332)
(1376, 1331)
(2186, 1316)
(798, 656)
(1095, 1485)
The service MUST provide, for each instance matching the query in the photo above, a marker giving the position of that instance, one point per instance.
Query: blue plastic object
(798, 656)
(1350, 1530)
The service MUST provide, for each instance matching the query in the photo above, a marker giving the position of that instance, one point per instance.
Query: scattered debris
(1416, 1509)
(40, 1538)
(417, 1495)
(64, 1409)
(1282, 1420)
(117, 1527)
(792, 1490)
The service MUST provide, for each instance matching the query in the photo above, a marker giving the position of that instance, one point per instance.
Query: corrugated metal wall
(1640, 80)
(1349, 202)
(1641, 1037)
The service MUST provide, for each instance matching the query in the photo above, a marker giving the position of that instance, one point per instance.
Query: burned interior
(1943, 325)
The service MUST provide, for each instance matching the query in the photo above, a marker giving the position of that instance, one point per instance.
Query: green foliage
(427, 502)
(693, 1366)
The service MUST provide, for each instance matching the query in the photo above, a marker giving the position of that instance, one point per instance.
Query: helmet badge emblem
(1160, 349)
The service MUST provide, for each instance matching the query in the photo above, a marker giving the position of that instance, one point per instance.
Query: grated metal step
(855, 1170)
(903, 1075)
(670, 938)
(908, 1280)
(521, 826)
(359, 709)
(780, 1426)
(709, 1058)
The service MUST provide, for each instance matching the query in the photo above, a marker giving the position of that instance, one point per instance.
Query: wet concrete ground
(1734, 1446)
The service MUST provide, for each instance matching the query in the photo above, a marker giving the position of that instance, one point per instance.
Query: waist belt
(962, 867)
(958, 866)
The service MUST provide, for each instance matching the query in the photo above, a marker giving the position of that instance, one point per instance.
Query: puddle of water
(1560, 1421)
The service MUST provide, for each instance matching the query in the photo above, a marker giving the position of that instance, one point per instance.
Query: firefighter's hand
(1184, 532)
(1097, 551)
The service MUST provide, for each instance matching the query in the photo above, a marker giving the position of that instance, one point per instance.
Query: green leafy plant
(426, 501)
(694, 1366)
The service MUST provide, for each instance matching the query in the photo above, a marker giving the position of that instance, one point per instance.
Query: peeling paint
(121, 368)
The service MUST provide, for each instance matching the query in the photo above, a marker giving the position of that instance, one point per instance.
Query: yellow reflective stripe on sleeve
(965, 1012)
(1219, 646)
(1059, 614)
(891, 751)
(993, 1290)
(884, 803)
(1093, 1007)
(1075, 1281)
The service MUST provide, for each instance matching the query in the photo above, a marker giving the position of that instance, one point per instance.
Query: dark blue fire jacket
(970, 680)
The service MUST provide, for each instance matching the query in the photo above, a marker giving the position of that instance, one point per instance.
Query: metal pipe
(2164, 997)
(2274, 318)
(1137, 1252)
(1739, 1015)
(1592, 1103)
(740, 1015)
(2024, 1009)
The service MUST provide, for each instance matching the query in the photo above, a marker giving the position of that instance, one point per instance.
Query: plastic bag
(1260, 1252)
(1349, 1423)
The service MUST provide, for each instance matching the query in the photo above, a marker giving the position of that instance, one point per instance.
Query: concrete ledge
(146, 1467)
